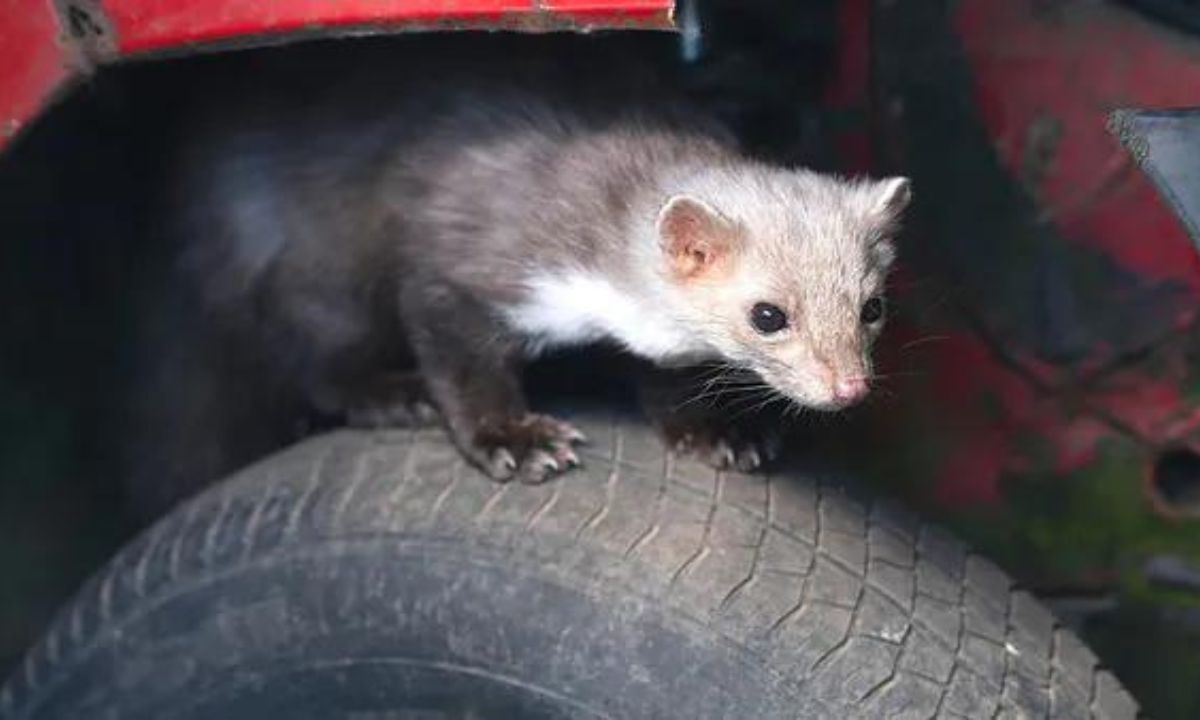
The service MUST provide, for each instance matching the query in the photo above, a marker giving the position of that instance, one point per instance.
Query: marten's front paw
(724, 446)
(532, 448)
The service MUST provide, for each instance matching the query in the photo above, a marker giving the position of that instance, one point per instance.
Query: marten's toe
(531, 448)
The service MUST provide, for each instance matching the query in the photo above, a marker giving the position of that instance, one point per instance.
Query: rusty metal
(87, 32)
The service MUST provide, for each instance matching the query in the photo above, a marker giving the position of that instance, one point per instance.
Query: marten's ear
(696, 238)
(892, 196)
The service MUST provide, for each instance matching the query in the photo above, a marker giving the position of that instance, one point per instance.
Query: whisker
(923, 341)
(910, 373)
(713, 392)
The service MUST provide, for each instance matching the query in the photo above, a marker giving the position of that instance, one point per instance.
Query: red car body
(46, 44)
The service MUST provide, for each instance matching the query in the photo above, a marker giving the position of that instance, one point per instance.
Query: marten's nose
(849, 390)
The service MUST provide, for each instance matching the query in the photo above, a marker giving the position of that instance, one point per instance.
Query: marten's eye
(767, 318)
(872, 311)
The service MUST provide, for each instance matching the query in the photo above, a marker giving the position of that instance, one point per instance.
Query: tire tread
(863, 603)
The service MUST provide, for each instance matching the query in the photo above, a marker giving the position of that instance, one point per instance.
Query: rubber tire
(372, 575)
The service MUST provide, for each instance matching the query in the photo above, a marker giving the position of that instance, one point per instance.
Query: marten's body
(456, 231)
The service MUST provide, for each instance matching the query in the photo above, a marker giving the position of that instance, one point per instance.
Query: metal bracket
(1166, 146)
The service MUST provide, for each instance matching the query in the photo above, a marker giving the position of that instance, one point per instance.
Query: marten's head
(783, 273)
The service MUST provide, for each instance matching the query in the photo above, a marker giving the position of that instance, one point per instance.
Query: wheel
(374, 575)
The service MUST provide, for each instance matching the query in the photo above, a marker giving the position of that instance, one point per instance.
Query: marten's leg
(348, 370)
(388, 399)
(470, 366)
(715, 414)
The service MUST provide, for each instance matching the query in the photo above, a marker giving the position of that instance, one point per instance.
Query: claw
(544, 460)
(724, 454)
(502, 464)
(749, 460)
(538, 467)
(567, 457)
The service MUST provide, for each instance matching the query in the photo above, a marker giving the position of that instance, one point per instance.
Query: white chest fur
(577, 308)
